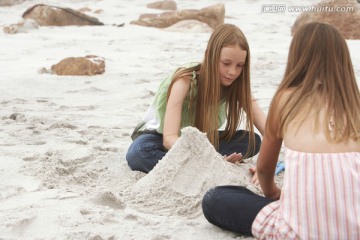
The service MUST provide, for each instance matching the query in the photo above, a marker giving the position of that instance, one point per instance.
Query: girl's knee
(208, 195)
(130, 158)
(211, 198)
(140, 160)
(208, 204)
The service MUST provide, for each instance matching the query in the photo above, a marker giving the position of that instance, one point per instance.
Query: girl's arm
(259, 117)
(270, 148)
(172, 119)
(266, 164)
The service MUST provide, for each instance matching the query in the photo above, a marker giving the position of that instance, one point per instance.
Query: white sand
(63, 173)
(178, 183)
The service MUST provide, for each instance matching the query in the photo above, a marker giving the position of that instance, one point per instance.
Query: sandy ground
(63, 173)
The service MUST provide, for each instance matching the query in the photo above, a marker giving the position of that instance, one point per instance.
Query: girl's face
(232, 60)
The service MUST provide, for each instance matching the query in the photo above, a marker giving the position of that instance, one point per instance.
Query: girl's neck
(224, 92)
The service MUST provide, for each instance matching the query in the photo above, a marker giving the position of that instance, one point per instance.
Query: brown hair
(320, 71)
(237, 95)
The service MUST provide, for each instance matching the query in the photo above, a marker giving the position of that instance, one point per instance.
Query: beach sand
(63, 173)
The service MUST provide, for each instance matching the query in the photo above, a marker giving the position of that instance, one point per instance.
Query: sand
(63, 173)
(179, 181)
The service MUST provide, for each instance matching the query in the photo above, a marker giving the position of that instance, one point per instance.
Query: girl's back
(320, 194)
(304, 138)
(321, 183)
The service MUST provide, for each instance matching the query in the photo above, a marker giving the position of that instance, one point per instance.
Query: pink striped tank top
(320, 199)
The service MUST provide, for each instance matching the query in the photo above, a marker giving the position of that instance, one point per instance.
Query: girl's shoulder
(277, 107)
(189, 72)
(286, 93)
(190, 65)
(282, 97)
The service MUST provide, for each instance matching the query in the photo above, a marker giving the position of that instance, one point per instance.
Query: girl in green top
(203, 95)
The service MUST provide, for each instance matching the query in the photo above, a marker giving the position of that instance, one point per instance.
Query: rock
(7, 3)
(163, 5)
(347, 22)
(213, 16)
(21, 27)
(46, 15)
(88, 65)
(189, 26)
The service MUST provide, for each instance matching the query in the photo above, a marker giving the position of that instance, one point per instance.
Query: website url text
(282, 8)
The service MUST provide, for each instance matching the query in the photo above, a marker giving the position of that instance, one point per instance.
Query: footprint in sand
(31, 158)
(61, 124)
(86, 108)
(140, 81)
(131, 217)
(21, 225)
(140, 220)
(46, 102)
(108, 199)
(88, 90)
(161, 237)
(98, 237)
(106, 149)
(19, 117)
(80, 142)
(36, 143)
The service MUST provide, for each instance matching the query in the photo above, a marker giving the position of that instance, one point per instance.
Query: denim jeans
(233, 208)
(147, 149)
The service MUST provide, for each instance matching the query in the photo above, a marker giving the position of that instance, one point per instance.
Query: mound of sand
(178, 182)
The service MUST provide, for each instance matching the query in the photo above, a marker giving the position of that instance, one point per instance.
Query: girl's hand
(254, 179)
(275, 194)
(234, 157)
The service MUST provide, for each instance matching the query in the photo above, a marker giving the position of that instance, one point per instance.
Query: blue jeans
(147, 149)
(233, 208)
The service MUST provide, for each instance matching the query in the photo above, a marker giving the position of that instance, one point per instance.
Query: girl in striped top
(316, 114)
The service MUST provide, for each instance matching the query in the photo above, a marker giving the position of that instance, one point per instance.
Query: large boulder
(46, 15)
(163, 5)
(213, 16)
(88, 65)
(346, 21)
(6, 3)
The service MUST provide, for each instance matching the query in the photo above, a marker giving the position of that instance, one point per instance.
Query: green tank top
(153, 120)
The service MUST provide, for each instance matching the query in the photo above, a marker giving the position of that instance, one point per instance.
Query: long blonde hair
(320, 71)
(237, 95)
